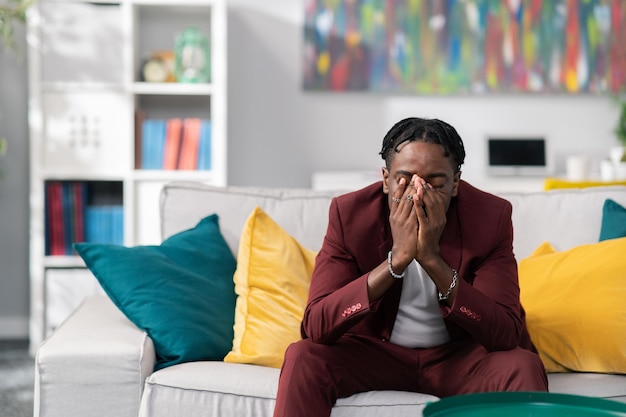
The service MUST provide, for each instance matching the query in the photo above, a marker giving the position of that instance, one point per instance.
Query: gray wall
(14, 216)
(279, 135)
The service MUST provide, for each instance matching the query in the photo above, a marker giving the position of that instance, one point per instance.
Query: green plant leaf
(620, 128)
(11, 12)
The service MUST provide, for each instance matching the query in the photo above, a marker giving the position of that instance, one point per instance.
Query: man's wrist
(394, 272)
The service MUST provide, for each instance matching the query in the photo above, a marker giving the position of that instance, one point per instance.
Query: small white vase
(620, 171)
(607, 170)
(616, 153)
(577, 167)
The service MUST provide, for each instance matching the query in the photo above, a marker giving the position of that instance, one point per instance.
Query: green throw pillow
(613, 221)
(181, 292)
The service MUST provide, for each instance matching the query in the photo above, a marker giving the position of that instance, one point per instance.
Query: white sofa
(98, 363)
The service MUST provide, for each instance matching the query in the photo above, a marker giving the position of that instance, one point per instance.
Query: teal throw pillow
(613, 220)
(181, 293)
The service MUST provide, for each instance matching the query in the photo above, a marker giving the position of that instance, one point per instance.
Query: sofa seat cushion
(241, 390)
(609, 386)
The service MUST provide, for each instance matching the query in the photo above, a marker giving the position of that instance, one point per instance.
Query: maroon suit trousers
(315, 375)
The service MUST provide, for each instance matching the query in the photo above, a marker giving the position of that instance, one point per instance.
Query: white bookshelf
(85, 90)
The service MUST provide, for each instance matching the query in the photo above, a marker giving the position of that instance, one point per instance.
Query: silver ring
(409, 197)
(395, 200)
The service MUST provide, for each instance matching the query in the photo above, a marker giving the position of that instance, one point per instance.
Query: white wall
(279, 134)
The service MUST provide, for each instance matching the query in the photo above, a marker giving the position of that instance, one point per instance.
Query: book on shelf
(79, 214)
(117, 225)
(204, 152)
(146, 128)
(191, 141)
(140, 116)
(93, 217)
(68, 213)
(153, 143)
(104, 224)
(175, 143)
(69, 219)
(174, 128)
(55, 229)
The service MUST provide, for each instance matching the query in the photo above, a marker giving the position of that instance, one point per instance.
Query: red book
(191, 142)
(57, 229)
(173, 132)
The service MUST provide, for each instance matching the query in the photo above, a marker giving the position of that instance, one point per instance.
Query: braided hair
(427, 130)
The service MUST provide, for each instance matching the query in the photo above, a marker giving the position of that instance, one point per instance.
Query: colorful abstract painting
(465, 46)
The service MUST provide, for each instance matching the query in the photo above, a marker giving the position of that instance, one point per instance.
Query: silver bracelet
(393, 274)
(455, 278)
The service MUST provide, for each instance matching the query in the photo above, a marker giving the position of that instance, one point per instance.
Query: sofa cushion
(250, 391)
(302, 213)
(181, 292)
(575, 310)
(613, 220)
(272, 284)
(589, 384)
(565, 217)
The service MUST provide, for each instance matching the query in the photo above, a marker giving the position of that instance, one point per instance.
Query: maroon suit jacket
(477, 241)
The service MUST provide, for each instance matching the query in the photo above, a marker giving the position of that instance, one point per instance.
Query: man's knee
(304, 360)
(522, 371)
(299, 353)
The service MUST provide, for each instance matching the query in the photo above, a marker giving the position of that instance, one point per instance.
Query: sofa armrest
(94, 364)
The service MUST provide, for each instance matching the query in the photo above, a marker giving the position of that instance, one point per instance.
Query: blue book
(158, 143)
(146, 148)
(91, 224)
(204, 151)
(106, 224)
(99, 224)
(117, 225)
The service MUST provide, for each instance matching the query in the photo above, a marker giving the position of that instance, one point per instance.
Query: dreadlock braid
(426, 130)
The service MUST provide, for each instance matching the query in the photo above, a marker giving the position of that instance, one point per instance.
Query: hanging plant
(11, 12)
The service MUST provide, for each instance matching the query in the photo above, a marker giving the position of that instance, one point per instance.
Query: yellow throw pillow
(272, 286)
(575, 306)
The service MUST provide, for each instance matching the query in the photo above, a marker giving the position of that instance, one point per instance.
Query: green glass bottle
(193, 60)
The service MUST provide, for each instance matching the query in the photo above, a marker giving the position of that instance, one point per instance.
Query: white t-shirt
(419, 323)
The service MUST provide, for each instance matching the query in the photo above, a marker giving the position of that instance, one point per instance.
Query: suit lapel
(451, 244)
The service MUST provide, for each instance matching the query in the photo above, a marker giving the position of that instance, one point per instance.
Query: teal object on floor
(523, 404)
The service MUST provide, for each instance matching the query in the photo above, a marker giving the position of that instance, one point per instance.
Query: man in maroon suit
(415, 287)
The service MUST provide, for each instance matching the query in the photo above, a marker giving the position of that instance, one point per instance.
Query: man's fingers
(396, 197)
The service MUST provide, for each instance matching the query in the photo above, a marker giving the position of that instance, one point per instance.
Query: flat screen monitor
(517, 156)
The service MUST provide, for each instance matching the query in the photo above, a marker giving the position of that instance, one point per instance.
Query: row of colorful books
(70, 219)
(176, 143)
